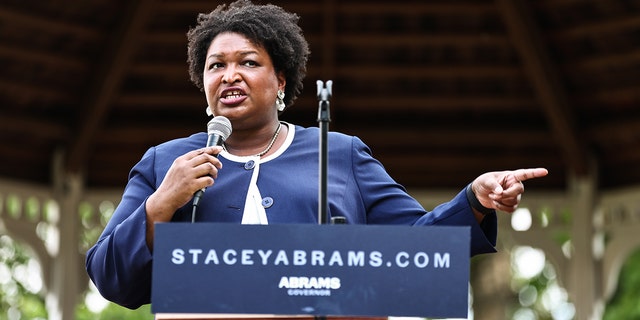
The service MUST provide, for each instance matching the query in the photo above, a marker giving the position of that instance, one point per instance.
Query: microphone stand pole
(324, 94)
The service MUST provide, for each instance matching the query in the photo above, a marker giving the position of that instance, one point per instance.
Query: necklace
(273, 140)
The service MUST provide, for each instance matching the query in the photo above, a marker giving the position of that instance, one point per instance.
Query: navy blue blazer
(359, 189)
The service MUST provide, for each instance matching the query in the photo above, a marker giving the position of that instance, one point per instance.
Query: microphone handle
(212, 140)
(215, 140)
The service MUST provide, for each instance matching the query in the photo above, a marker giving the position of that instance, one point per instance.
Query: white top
(254, 212)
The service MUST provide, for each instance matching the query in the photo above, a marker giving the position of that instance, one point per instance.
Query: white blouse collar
(291, 132)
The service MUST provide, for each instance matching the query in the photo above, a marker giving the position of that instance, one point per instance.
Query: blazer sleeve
(119, 264)
(387, 202)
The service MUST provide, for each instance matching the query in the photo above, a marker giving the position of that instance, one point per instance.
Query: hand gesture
(188, 173)
(502, 190)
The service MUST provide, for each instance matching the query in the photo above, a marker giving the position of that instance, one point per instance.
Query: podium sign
(325, 270)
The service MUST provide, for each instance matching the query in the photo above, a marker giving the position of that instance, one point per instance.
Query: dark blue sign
(327, 270)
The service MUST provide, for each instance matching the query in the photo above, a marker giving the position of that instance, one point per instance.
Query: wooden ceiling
(440, 90)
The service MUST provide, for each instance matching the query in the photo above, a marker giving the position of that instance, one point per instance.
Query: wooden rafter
(329, 39)
(384, 72)
(40, 23)
(107, 81)
(603, 27)
(545, 80)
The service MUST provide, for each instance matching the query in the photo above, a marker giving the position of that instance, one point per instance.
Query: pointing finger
(526, 174)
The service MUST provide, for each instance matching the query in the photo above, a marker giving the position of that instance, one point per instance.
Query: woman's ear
(282, 81)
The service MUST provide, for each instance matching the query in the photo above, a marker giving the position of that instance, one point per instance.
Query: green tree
(114, 312)
(20, 296)
(21, 291)
(534, 279)
(625, 303)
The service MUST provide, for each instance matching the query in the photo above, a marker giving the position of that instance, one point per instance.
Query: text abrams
(309, 283)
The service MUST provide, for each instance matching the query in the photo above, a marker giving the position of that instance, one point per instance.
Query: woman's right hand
(189, 173)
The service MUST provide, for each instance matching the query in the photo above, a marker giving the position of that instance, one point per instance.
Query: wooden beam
(611, 97)
(301, 7)
(47, 24)
(31, 56)
(394, 40)
(603, 61)
(328, 40)
(37, 127)
(452, 138)
(418, 163)
(545, 81)
(161, 99)
(616, 135)
(107, 82)
(30, 92)
(175, 38)
(416, 8)
(173, 70)
(436, 103)
(440, 72)
(403, 103)
(613, 26)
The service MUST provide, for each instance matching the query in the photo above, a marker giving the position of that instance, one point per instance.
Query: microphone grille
(219, 125)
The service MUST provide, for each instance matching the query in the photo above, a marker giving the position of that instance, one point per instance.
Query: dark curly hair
(268, 26)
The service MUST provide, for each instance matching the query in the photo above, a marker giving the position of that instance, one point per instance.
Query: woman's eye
(250, 63)
(215, 65)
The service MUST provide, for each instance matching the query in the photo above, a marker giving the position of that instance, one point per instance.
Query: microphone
(218, 129)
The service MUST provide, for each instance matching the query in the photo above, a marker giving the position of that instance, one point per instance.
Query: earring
(208, 111)
(280, 100)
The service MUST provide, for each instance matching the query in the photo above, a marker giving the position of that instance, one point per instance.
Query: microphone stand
(324, 94)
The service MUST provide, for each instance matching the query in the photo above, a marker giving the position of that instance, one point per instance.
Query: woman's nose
(230, 75)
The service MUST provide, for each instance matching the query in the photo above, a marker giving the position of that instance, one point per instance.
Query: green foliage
(15, 297)
(540, 295)
(625, 303)
(32, 307)
(530, 293)
(114, 312)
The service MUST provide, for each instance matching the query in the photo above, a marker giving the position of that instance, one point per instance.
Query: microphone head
(219, 126)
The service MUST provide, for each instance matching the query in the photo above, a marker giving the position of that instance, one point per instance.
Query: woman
(249, 60)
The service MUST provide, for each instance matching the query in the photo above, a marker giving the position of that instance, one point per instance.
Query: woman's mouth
(233, 96)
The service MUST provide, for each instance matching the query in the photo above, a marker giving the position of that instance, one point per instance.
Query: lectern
(302, 271)
(254, 317)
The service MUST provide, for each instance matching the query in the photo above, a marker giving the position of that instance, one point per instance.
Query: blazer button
(267, 202)
(249, 165)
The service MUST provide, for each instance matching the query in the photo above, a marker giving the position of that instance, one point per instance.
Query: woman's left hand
(502, 190)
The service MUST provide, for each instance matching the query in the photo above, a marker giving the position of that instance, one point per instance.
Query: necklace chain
(273, 140)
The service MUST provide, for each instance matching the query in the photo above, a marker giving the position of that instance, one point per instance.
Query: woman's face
(240, 81)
